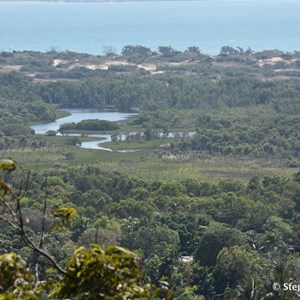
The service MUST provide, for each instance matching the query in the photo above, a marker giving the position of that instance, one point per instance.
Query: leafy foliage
(113, 273)
(16, 280)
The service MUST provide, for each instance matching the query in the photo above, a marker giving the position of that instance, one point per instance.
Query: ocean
(209, 25)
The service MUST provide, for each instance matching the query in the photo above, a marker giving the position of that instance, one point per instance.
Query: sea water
(209, 25)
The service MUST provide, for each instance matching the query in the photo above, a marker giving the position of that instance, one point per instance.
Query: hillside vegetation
(204, 181)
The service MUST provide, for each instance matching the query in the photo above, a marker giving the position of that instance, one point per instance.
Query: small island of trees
(89, 125)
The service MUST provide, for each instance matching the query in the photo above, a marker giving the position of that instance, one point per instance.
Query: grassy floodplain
(148, 162)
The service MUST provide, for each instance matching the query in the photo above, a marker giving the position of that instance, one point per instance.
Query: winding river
(77, 115)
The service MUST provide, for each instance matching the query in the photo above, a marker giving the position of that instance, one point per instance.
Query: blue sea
(210, 24)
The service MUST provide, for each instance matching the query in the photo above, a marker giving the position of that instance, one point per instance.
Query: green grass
(62, 114)
(152, 145)
(63, 140)
(211, 169)
(148, 162)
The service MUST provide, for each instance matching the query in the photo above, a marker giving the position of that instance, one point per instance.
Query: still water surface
(78, 115)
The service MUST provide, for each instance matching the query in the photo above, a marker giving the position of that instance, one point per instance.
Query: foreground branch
(17, 223)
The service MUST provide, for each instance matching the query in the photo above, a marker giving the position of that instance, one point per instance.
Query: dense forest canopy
(225, 227)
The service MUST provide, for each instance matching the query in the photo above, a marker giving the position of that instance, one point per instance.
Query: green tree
(215, 238)
(136, 51)
(233, 266)
(152, 239)
(167, 51)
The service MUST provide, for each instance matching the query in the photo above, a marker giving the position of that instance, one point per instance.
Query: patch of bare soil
(10, 68)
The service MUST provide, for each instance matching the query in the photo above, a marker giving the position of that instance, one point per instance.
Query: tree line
(155, 93)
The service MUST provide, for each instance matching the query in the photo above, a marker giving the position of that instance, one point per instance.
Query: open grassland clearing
(148, 163)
